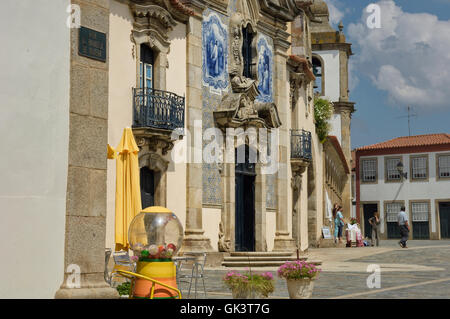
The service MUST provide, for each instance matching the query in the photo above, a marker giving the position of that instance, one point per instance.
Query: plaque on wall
(92, 44)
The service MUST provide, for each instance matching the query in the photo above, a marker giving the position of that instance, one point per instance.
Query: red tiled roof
(410, 141)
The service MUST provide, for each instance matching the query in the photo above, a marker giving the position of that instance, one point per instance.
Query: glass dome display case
(155, 234)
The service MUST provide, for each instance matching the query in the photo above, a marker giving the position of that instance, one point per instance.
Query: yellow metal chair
(132, 276)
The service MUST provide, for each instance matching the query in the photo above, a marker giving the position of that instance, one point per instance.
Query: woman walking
(374, 221)
(338, 222)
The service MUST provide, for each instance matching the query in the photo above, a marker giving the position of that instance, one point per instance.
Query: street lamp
(400, 170)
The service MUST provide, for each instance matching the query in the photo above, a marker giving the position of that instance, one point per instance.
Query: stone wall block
(87, 142)
(78, 191)
(85, 242)
(79, 100)
(98, 93)
(97, 200)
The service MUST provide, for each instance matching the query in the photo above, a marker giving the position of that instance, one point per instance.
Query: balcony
(157, 109)
(301, 145)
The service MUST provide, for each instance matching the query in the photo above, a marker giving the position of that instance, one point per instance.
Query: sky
(405, 62)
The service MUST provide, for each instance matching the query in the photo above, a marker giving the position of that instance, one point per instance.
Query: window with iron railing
(419, 212)
(392, 173)
(419, 167)
(369, 170)
(301, 144)
(444, 166)
(158, 109)
(392, 210)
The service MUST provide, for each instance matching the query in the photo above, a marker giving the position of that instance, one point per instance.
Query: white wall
(407, 190)
(331, 72)
(34, 125)
(176, 83)
(335, 130)
(122, 78)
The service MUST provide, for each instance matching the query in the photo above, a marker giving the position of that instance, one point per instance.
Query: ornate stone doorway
(245, 202)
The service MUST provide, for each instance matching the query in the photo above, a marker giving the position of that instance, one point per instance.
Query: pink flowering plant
(260, 283)
(298, 269)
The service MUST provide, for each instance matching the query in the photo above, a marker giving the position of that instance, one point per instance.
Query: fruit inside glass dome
(155, 233)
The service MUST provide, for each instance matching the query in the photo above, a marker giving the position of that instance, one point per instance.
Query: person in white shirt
(403, 224)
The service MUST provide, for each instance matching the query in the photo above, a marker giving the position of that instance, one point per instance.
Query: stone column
(283, 240)
(298, 168)
(86, 180)
(345, 109)
(227, 230)
(194, 239)
(260, 209)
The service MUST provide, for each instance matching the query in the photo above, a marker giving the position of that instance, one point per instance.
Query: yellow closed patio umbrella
(128, 192)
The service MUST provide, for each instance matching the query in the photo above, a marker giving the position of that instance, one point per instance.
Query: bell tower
(330, 58)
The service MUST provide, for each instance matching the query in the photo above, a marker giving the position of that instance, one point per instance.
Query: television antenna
(409, 116)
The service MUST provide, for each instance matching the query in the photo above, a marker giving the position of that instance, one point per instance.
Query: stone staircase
(260, 259)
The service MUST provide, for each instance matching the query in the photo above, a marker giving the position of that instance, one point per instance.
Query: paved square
(420, 271)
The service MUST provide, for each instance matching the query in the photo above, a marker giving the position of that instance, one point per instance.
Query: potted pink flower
(300, 276)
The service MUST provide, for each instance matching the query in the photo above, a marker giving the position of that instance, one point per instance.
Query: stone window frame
(411, 205)
(253, 50)
(385, 206)
(437, 234)
(159, 63)
(410, 222)
(438, 176)
(386, 170)
(362, 170)
(411, 169)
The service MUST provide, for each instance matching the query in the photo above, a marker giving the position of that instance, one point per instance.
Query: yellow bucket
(162, 271)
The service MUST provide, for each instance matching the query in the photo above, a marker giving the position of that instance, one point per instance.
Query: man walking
(404, 227)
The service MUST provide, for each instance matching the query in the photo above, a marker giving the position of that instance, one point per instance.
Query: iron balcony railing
(301, 144)
(158, 109)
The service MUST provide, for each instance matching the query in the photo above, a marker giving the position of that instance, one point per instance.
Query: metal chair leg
(204, 287)
(190, 282)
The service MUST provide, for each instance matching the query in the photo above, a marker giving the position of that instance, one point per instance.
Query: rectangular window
(444, 166)
(369, 170)
(419, 167)
(146, 67)
(247, 36)
(419, 212)
(392, 210)
(392, 173)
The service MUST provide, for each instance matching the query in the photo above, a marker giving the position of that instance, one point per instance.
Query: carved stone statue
(223, 245)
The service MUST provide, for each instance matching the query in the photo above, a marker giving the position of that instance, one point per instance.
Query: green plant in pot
(323, 110)
(124, 289)
(249, 285)
(300, 276)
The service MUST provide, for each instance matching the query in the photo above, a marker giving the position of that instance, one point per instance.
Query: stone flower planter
(300, 288)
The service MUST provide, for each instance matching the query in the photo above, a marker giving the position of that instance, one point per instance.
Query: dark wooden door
(368, 209)
(147, 180)
(420, 230)
(393, 230)
(245, 204)
(444, 217)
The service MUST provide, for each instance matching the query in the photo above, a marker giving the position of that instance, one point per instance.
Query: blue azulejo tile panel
(265, 68)
(215, 51)
(212, 191)
(271, 198)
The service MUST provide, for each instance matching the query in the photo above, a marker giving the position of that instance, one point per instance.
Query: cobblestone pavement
(421, 271)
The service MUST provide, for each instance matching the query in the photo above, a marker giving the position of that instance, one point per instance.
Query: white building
(422, 185)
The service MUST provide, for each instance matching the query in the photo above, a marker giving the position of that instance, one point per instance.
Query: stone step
(261, 258)
(262, 253)
(259, 264)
